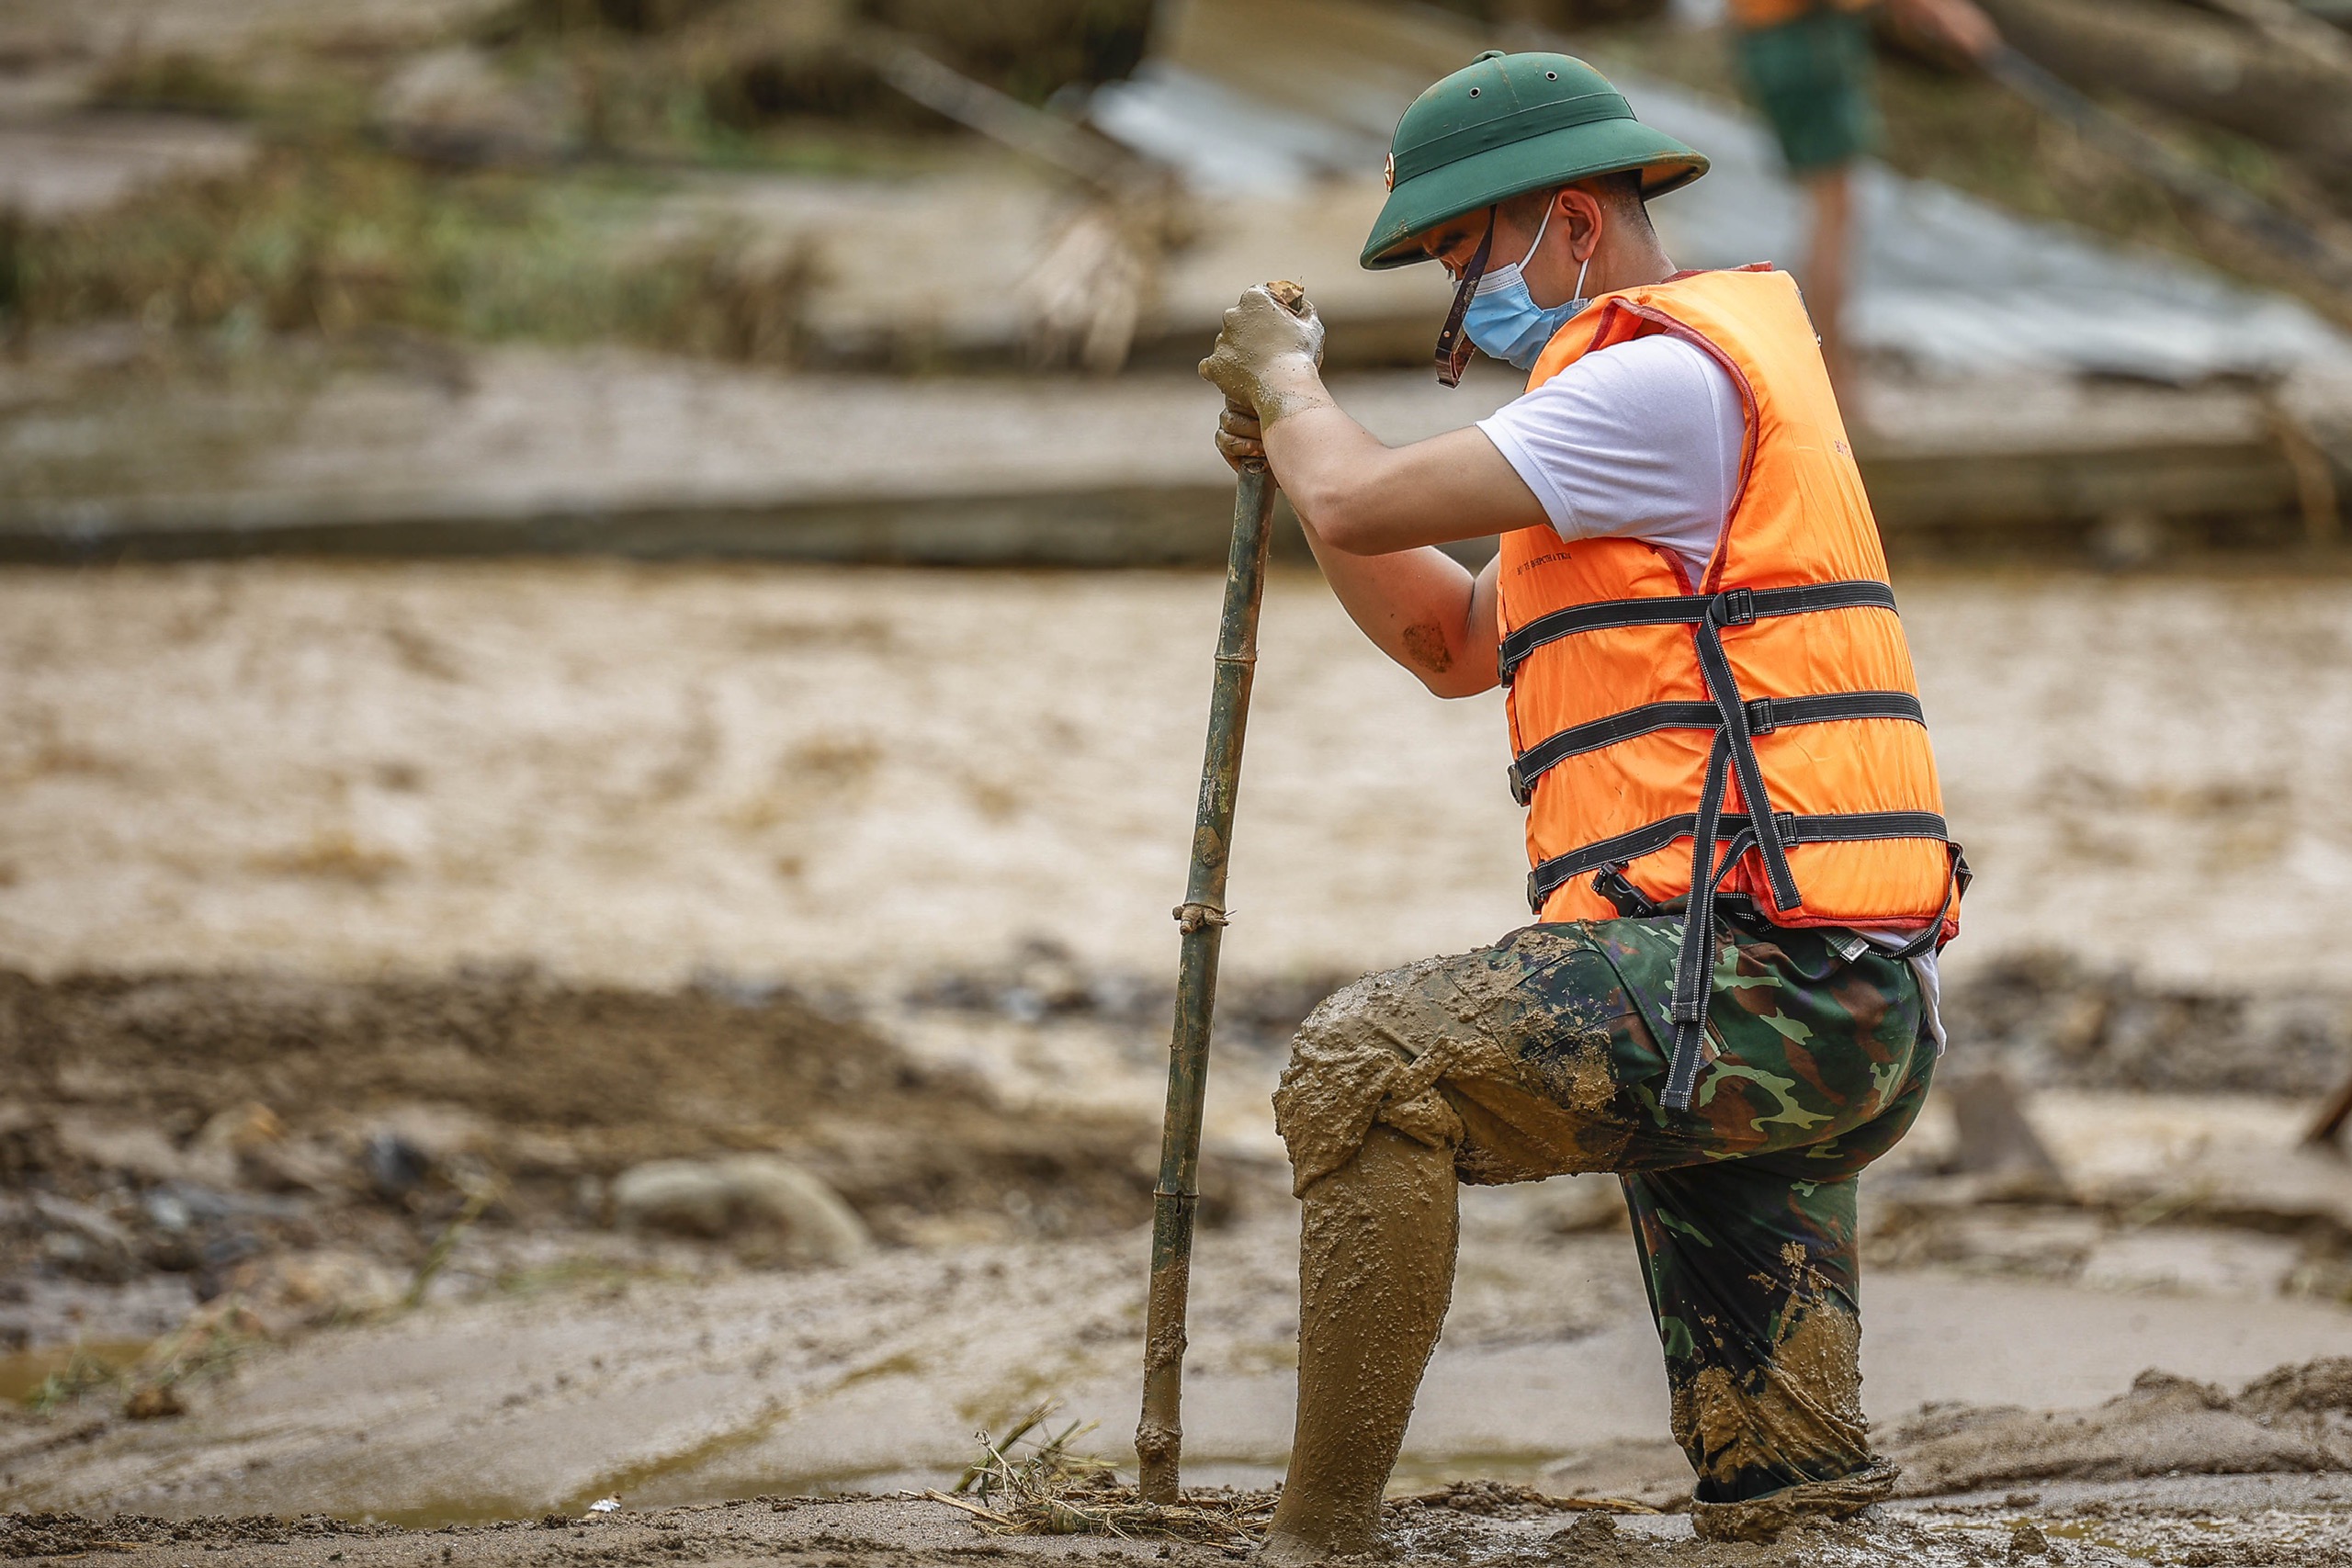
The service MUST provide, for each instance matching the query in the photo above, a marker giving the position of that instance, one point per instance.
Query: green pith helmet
(1510, 123)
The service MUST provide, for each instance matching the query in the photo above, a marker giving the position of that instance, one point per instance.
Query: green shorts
(1812, 79)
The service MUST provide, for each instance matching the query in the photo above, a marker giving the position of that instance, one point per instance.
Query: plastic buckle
(1759, 716)
(1505, 668)
(1734, 608)
(1784, 826)
(1534, 894)
(1630, 902)
(1520, 790)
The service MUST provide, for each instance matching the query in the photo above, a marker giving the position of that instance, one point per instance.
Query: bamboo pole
(1159, 1435)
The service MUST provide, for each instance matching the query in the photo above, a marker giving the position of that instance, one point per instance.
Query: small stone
(764, 1202)
(2026, 1540)
(152, 1402)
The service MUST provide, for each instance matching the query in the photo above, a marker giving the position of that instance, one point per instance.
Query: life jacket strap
(1839, 828)
(1739, 606)
(1765, 715)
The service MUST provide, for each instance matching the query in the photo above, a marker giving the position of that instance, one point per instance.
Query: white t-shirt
(1642, 440)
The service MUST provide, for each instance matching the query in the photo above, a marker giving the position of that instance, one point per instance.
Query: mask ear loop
(1453, 344)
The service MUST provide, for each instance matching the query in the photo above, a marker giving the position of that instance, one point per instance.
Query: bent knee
(1362, 1058)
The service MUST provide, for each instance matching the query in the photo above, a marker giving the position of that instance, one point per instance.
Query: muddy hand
(1239, 437)
(1266, 358)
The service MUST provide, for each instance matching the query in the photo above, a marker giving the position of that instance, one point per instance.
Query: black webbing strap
(1742, 606)
(1759, 828)
(1955, 885)
(1765, 715)
(1848, 827)
(1694, 969)
(1728, 610)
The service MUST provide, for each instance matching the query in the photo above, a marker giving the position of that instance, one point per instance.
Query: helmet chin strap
(1453, 347)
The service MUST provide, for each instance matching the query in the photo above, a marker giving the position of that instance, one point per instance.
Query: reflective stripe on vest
(1767, 712)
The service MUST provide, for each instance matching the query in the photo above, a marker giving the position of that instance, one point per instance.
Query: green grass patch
(341, 237)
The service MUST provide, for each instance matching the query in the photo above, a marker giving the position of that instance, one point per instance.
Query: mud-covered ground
(1483, 1527)
(240, 1256)
(365, 932)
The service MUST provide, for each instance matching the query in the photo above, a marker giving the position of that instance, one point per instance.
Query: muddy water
(636, 773)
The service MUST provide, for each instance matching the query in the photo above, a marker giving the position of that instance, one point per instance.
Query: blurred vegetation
(335, 239)
(749, 60)
(519, 183)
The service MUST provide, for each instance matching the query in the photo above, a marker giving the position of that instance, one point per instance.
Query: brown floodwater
(640, 772)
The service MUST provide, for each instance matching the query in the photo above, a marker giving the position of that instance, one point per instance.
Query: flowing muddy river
(639, 773)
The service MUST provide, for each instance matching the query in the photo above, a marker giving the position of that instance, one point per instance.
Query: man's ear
(1584, 216)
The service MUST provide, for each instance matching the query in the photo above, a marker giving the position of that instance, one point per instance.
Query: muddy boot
(1763, 1519)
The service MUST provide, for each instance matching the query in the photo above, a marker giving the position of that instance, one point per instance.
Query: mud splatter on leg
(1375, 1272)
(1751, 1275)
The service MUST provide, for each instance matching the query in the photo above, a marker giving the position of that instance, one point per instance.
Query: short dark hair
(1619, 192)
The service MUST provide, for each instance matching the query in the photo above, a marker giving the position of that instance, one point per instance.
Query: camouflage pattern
(1542, 1054)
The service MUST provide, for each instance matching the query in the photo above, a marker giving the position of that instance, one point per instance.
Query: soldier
(1740, 872)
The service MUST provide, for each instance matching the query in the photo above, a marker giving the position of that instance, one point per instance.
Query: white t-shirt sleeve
(1641, 440)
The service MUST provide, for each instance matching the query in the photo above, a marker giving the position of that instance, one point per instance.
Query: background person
(1807, 65)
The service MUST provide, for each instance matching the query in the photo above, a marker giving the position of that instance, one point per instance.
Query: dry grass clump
(1049, 1490)
(209, 1343)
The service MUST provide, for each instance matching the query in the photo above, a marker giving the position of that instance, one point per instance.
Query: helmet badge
(1388, 175)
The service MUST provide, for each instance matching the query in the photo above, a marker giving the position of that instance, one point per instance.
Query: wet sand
(672, 1388)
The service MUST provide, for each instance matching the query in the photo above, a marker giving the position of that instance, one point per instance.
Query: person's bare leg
(1375, 1271)
(1828, 265)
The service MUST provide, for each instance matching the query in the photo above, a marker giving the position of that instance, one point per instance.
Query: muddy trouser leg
(1751, 1278)
(1376, 1261)
(1755, 1283)
(1540, 1055)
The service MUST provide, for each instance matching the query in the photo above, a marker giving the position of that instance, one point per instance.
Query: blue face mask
(1505, 320)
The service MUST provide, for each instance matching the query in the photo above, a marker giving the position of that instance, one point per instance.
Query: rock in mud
(1997, 1139)
(767, 1204)
(153, 1402)
(298, 1289)
(79, 1240)
(394, 1167)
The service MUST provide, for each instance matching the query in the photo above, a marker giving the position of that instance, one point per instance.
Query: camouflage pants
(1541, 1055)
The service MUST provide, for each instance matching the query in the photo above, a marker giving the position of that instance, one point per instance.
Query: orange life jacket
(1649, 714)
